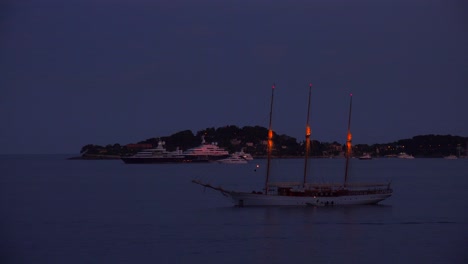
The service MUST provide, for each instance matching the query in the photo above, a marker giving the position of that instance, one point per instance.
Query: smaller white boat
(403, 155)
(233, 159)
(451, 157)
(365, 157)
(244, 155)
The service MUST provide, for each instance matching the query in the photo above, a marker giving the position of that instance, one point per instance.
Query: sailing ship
(304, 193)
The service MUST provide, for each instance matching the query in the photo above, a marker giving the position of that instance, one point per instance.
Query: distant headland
(252, 139)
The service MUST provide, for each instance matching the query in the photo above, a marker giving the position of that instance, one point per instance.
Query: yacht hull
(130, 160)
(253, 199)
(175, 159)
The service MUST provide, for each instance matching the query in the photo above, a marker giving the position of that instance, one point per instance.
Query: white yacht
(451, 157)
(156, 155)
(365, 157)
(233, 159)
(403, 155)
(206, 152)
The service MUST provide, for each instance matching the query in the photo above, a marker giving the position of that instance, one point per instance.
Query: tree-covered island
(252, 139)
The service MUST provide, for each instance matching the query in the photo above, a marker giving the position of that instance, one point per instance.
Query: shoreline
(114, 157)
(95, 157)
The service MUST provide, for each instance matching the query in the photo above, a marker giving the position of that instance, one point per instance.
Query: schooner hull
(252, 199)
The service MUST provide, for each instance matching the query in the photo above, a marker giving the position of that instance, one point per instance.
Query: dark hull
(201, 159)
(130, 160)
(178, 159)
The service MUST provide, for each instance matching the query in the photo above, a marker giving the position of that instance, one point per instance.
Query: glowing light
(348, 143)
(350, 94)
(270, 143)
(270, 134)
(308, 131)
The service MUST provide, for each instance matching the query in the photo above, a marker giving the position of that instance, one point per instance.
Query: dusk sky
(80, 72)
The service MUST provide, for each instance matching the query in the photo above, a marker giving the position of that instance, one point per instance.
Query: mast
(348, 141)
(270, 140)
(307, 138)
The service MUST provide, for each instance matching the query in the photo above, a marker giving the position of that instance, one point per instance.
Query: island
(252, 140)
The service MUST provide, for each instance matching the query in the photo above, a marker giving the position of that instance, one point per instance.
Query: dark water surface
(55, 210)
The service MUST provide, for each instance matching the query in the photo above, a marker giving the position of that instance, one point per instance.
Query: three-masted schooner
(303, 193)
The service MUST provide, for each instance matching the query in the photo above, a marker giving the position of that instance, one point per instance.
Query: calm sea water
(55, 210)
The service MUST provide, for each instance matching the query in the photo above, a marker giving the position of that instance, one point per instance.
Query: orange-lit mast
(270, 140)
(307, 138)
(348, 141)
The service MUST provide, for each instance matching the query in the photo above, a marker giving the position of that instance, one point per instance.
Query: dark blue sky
(104, 72)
